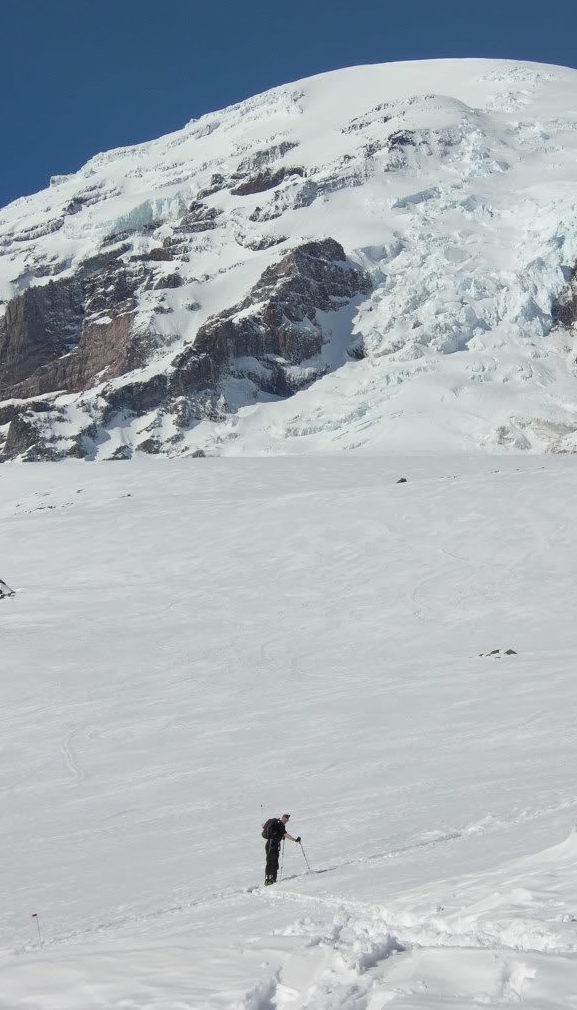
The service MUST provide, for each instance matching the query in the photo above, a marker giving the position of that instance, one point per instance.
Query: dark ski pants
(272, 850)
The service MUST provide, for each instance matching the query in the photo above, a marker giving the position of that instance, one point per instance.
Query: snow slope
(195, 645)
(452, 182)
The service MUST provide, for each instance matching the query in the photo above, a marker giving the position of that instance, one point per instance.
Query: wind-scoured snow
(195, 645)
(452, 182)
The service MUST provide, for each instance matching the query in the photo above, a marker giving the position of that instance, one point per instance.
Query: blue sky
(81, 76)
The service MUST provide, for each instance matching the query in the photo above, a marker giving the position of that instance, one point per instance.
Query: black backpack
(266, 827)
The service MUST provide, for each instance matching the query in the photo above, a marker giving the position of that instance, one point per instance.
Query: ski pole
(282, 860)
(305, 855)
(35, 916)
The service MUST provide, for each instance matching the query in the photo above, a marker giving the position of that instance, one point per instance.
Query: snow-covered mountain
(377, 258)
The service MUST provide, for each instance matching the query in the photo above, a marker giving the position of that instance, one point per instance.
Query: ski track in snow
(228, 895)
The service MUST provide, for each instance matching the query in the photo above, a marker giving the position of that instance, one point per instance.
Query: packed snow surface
(452, 182)
(196, 645)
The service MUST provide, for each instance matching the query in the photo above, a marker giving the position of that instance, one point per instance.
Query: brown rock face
(64, 334)
(106, 346)
(38, 326)
(72, 332)
(283, 322)
(275, 327)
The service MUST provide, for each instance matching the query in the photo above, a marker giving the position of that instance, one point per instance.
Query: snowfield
(196, 645)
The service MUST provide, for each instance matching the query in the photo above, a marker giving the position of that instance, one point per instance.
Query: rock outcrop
(66, 334)
(5, 590)
(565, 309)
(38, 327)
(271, 330)
(73, 332)
(276, 325)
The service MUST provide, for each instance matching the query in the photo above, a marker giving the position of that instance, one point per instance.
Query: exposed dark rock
(168, 281)
(43, 452)
(198, 454)
(184, 411)
(262, 242)
(400, 139)
(22, 434)
(69, 333)
(402, 480)
(204, 404)
(74, 205)
(374, 147)
(282, 329)
(498, 653)
(93, 265)
(198, 219)
(313, 276)
(37, 327)
(110, 285)
(150, 445)
(267, 179)
(276, 377)
(5, 590)
(217, 182)
(266, 156)
(564, 310)
(50, 268)
(47, 227)
(136, 397)
(193, 370)
(160, 254)
(368, 119)
(356, 350)
(109, 347)
(267, 213)
(83, 444)
(343, 174)
(122, 452)
(11, 410)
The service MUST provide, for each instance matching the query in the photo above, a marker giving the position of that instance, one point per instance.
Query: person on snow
(274, 830)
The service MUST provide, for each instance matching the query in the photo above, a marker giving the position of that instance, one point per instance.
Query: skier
(274, 830)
